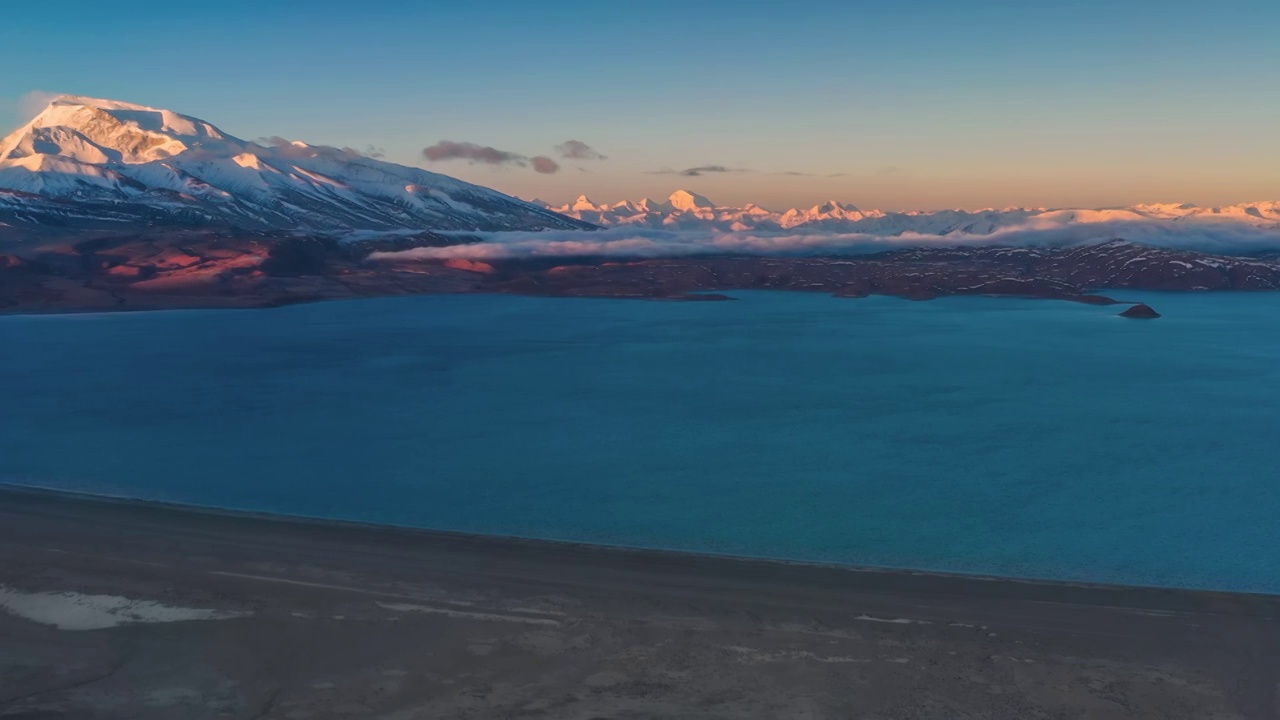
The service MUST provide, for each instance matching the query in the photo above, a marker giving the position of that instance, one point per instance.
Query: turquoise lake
(1010, 437)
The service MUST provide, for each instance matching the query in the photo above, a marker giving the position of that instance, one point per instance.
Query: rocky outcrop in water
(1140, 311)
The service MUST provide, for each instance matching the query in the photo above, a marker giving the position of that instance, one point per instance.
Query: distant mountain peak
(686, 200)
(584, 204)
(834, 205)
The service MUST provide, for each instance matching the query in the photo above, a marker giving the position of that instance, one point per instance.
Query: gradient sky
(897, 105)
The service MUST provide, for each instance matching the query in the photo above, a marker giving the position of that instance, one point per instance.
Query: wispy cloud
(369, 151)
(711, 169)
(796, 173)
(578, 150)
(698, 171)
(33, 103)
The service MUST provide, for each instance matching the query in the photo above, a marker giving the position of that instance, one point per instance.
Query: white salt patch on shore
(77, 611)
(894, 621)
(532, 611)
(747, 654)
(406, 607)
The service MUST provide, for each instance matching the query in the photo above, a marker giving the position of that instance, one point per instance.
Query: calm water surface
(1027, 438)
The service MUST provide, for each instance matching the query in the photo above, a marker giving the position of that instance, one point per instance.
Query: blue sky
(889, 104)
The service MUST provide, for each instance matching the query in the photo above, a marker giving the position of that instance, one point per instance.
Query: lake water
(1026, 438)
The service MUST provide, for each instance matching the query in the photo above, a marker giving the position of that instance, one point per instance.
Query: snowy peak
(685, 200)
(138, 118)
(96, 131)
(648, 205)
(584, 204)
(832, 211)
(146, 165)
(832, 206)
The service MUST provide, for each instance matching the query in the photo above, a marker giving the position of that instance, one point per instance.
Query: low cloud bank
(471, 152)
(651, 243)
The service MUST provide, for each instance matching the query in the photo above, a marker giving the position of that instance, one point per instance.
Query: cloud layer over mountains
(632, 242)
(690, 224)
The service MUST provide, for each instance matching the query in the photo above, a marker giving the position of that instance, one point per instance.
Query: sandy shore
(127, 610)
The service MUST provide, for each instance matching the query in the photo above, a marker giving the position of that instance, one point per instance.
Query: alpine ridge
(87, 163)
(685, 210)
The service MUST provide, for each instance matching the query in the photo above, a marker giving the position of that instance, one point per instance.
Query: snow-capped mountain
(690, 211)
(86, 162)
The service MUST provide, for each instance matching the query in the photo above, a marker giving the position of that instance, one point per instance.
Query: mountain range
(132, 207)
(685, 210)
(103, 165)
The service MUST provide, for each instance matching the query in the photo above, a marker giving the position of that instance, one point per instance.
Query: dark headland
(301, 619)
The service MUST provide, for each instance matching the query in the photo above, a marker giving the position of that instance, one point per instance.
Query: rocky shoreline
(220, 614)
